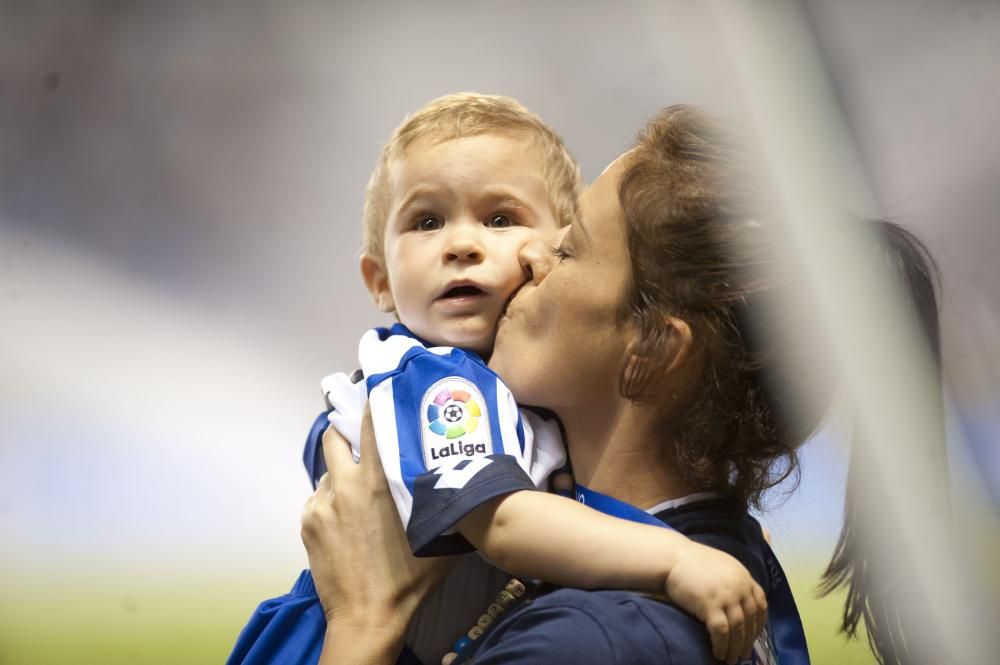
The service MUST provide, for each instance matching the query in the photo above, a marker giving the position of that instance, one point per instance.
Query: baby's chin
(480, 346)
(479, 343)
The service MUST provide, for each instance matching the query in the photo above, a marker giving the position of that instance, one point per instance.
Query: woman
(675, 402)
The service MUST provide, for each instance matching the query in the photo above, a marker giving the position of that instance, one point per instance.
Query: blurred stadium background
(180, 195)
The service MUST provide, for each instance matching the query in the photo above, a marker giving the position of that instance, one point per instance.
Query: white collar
(684, 500)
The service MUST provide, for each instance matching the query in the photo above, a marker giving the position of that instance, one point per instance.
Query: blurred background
(181, 188)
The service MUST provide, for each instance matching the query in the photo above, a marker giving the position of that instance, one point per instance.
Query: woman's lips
(510, 299)
(505, 311)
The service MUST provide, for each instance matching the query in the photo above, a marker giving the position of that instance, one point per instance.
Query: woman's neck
(616, 452)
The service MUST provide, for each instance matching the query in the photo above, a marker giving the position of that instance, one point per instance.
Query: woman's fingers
(337, 453)
(369, 450)
(368, 446)
(324, 483)
(308, 519)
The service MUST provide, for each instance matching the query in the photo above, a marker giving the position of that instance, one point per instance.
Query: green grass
(113, 620)
(118, 620)
(821, 619)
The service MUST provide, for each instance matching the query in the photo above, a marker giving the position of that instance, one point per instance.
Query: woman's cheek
(518, 364)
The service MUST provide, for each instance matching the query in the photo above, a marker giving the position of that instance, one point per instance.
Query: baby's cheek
(416, 319)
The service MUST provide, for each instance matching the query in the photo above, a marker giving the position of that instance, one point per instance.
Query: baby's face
(460, 212)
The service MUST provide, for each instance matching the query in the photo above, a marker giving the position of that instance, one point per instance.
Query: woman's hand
(368, 581)
(718, 590)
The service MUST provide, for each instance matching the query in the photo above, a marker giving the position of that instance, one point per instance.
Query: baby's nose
(464, 247)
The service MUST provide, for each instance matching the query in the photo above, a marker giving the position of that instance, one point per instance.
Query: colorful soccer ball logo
(453, 413)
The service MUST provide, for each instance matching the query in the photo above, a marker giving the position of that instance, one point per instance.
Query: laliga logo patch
(455, 426)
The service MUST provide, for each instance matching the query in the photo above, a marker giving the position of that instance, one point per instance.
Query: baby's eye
(499, 221)
(428, 223)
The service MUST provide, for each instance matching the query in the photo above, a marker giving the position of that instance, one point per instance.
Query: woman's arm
(369, 583)
(533, 534)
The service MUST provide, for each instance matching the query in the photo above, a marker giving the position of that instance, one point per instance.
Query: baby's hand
(718, 590)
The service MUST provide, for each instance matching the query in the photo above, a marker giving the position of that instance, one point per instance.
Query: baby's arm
(549, 537)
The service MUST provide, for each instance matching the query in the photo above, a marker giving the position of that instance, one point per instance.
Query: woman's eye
(560, 252)
(429, 224)
(499, 222)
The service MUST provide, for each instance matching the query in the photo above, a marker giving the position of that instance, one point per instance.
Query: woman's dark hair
(702, 252)
(873, 590)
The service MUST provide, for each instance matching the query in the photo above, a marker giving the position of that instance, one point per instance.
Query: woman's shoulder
(722, 523)
(607, 626)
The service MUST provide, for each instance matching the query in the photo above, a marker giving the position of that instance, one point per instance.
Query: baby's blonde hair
(461, 115)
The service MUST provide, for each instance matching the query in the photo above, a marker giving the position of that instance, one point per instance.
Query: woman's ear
(649, 361)
(377, 281)
(679, 343)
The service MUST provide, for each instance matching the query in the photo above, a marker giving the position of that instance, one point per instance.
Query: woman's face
(561, 343)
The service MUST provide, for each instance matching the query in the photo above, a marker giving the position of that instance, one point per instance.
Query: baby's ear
(377, 280)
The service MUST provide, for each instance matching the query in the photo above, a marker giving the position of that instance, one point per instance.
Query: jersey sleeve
(345, 397)
(312, 454)
(449, 435)
(544, 451)
(345, 402)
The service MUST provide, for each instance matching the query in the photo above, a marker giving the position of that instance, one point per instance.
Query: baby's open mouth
(463, 292)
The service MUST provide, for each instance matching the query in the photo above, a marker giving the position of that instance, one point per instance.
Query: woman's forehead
(620, 158)
(602, 221)
(605, 187)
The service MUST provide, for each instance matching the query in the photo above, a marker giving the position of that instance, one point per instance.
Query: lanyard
(783, 622)
(785, 639)
(611, 506)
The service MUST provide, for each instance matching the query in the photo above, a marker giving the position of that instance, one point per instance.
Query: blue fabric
(440, 509)
(612, 506)
(599, 627)
(289, 630)
(312, 454)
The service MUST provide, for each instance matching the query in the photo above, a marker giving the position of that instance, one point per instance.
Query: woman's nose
(537, 260)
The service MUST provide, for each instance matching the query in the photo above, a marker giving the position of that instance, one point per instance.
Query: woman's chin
(496, 361)
(500, 360)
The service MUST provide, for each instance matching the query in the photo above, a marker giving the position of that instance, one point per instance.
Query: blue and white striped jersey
(448, 431)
